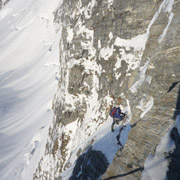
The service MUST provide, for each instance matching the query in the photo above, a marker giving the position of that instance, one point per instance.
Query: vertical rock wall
(122, 48)
(162, 55)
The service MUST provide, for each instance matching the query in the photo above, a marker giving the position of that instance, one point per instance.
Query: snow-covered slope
(29, 65)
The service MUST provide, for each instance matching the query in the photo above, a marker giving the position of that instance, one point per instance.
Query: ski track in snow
(28, 80)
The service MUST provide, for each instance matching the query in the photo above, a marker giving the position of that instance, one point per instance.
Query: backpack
(113, 111)
(118, 114)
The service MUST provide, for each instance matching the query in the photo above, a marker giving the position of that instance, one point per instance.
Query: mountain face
(127, 49)
(161, 55)
(119, 52)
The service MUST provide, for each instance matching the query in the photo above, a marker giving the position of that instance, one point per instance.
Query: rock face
(122, 48)
(163, 58)
(2, 3)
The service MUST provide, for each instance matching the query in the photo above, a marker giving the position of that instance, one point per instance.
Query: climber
(116, 114)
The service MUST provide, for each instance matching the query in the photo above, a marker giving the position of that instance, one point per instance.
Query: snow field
(29, 69)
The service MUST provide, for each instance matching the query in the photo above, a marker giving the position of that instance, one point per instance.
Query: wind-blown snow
(28, 80)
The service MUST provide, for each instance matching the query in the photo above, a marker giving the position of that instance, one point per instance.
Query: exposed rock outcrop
(163, 58)
(122, 48)
(2, 3)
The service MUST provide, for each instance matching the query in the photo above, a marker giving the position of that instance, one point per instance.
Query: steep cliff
(121, 48)
(162, 55)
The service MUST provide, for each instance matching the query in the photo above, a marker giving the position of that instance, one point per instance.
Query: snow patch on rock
(142, 76)
(29, 67)
(145, 107)
(106, 52)
(101, 140)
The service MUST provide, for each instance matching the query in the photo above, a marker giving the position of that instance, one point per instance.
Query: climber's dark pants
(112, 126)
(116, 120)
